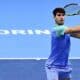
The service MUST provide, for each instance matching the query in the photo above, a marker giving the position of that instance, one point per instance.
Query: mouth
(61, 20)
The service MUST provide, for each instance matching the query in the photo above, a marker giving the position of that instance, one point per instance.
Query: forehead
(58, 13)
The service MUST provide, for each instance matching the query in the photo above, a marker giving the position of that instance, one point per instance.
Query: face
(59, 18)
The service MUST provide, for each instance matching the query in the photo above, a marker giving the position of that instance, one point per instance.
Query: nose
(62, 17)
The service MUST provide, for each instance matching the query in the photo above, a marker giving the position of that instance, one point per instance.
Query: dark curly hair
(58, 10)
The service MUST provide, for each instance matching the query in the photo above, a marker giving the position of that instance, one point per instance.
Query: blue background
(32, 14)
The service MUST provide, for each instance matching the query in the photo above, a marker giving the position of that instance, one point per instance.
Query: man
(57, 65)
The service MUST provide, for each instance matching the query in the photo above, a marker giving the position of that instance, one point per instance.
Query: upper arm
(73, 32)
(68, 30)
(72, 29)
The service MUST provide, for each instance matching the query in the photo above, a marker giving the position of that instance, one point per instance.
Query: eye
(58, 15)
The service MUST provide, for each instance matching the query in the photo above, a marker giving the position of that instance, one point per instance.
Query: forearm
(76, 35)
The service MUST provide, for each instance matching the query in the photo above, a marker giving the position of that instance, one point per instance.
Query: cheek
(57, 19)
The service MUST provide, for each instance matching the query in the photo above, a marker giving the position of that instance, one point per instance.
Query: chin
(60, 23)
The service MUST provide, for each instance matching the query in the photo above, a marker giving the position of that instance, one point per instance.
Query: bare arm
(76, 35)
(71, 30)
(74, 31)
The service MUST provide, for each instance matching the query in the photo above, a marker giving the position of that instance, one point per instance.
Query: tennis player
(57, 65)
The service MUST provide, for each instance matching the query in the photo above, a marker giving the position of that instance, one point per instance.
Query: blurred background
(25, 27)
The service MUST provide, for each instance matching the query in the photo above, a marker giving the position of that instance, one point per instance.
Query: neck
(59, 24)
